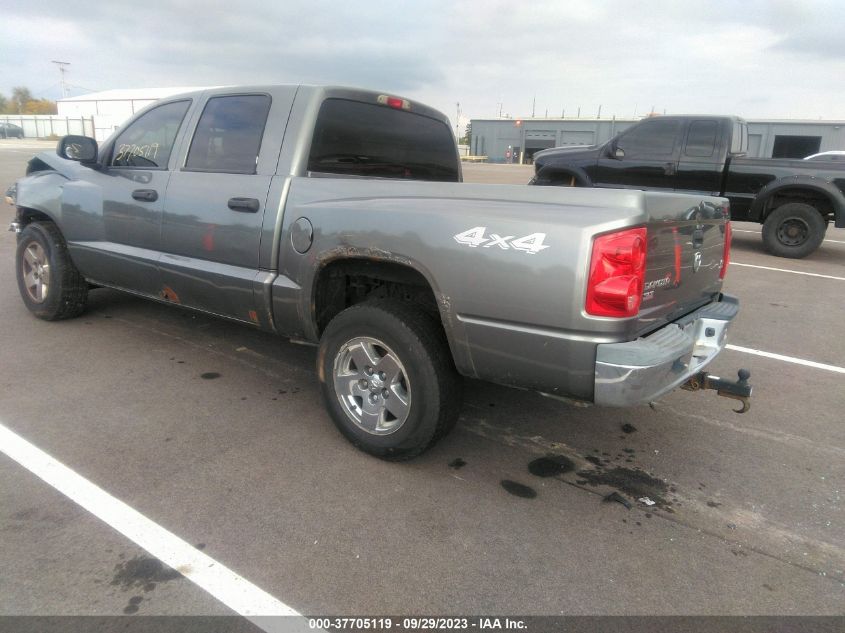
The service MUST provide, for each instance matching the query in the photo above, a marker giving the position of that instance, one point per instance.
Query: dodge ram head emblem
(696, 261)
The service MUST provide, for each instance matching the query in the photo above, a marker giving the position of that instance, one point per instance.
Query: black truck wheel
(793, 230)
(388, 379)
(50, 285)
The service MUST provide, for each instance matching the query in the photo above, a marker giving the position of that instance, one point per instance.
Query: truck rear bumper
(641, 371)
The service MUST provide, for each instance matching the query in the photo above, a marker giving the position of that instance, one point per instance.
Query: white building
(110, 108)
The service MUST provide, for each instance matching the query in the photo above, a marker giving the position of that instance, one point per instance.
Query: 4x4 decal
(474, 237)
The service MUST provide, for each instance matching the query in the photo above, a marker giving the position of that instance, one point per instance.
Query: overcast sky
(773, 59)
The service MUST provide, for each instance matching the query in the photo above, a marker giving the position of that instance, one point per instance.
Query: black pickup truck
(793, 199)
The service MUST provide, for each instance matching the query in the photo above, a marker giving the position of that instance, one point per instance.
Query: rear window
(362, 139)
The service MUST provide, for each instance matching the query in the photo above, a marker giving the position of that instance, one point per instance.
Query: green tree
(22, 102)
(467, 138)
(40, 106)
(20, 97)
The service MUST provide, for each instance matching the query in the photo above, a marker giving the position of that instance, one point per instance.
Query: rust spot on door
(208, 238)
(168, 294)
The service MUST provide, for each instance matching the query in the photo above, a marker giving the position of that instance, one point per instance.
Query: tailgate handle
(145, 195)
(247, 205)
(698, 238)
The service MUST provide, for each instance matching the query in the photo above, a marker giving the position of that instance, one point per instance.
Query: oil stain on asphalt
(144, 573)
(210, 375)
(518, 490)
(633, 482)
(132, 607)
(551, 466)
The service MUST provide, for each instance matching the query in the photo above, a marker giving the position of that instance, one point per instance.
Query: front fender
(811, 183)
(41, 191)
(555, 174)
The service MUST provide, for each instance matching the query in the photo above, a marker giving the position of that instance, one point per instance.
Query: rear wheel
(50, 285)
(387, 378)
(793, 230)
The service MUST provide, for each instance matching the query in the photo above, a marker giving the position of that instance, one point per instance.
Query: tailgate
(686, 238)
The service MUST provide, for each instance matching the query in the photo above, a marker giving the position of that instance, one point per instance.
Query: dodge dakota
(793, 199)
(338, 217)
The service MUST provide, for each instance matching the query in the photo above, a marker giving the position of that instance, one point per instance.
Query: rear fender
(452, 326)
(811, 184)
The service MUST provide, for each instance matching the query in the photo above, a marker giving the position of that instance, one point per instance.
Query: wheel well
(344, 283)
(816, 199)
(559, 177)
(27, 216)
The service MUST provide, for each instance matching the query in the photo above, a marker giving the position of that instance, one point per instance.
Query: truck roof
(320, 92)
(721, 117)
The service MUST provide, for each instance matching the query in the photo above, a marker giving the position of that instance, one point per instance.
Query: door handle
(669, 169)
(246, 205)
(145, 195)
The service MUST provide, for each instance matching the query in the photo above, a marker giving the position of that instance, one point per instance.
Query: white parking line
(786, 270)
(788, 359)
(758, 233)
(233, 590)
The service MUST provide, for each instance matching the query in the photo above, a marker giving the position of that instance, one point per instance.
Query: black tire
(434, 387)
(793, 230)
(66, 289)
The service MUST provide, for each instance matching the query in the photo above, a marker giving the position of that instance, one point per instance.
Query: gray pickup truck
(338, 217)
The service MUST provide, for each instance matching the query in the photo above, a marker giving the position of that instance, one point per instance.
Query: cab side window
(652, 139)
(228, 135)
(148, 141)
(701, 139)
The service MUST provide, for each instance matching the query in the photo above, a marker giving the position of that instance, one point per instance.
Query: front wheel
(387, 378)
(50, 285)
(793, 230)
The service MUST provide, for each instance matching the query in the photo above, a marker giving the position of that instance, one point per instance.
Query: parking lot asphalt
(248, 468)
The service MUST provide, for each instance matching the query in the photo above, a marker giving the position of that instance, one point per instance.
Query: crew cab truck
(338, 217)
(793, 199)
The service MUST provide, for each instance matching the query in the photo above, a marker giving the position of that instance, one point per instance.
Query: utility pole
(598, 116)
(500, 109)
(458, 121)
(62, 69)
(533, 105)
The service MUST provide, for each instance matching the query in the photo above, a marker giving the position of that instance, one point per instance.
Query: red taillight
(726, 257)
(677, 255)
(617, 274)
(394, 102)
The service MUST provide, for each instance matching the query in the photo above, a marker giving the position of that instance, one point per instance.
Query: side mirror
(79, 148)
(619, 153)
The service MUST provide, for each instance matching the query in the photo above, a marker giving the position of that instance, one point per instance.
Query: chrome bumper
(641, 371)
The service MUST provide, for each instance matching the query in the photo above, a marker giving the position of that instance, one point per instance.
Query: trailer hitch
(739, 390)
